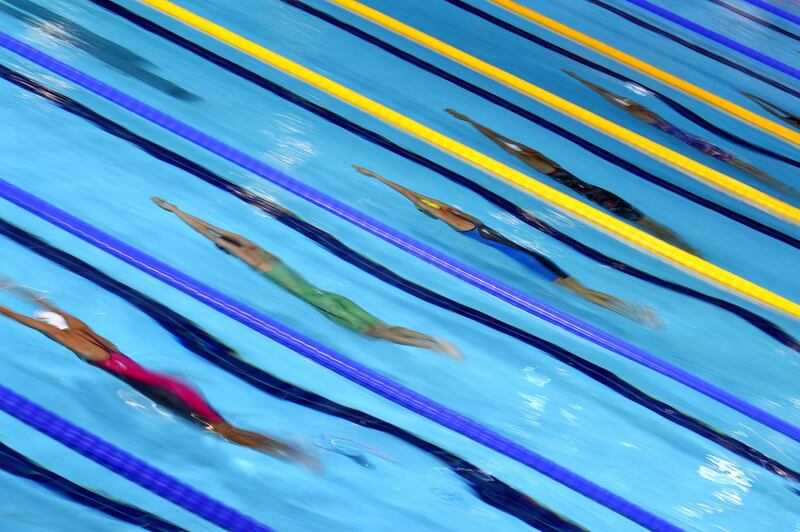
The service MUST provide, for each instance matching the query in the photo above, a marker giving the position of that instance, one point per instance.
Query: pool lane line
(330, 359)
(766, 6)
(421, 251)
(701, 94)
(625, 231)
(716, 37)
(338, 248)
(15, 463)
(695, 47)
(690, 167)
(485, 486)
(673, 104)
(124, 464)
(758, 20)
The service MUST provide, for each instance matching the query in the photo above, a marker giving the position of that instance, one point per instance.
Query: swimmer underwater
(167, 391)
(335, 307)
(472, 227)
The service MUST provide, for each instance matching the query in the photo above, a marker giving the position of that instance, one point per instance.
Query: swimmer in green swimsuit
(600, 196)
(335, 307)
(537, 263)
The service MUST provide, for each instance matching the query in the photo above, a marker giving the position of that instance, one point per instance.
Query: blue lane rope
(17, 464)
(757, 20)
(126, 465)
(455, 268)
(717, 37)
(341, 250)
(674, 104)
(766, 6)
(694, 47)
(487, 487)
(330, 359)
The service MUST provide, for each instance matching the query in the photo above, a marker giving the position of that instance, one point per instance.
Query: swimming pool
(509, 386)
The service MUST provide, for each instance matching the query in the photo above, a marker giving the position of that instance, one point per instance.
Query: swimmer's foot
(167, 206)
(447, 349)
(457, 115)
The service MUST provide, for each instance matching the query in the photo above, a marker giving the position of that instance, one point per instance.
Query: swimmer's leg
(639, 314)
(403, 336)
(264, 444)
(762, 176)
(665, 233)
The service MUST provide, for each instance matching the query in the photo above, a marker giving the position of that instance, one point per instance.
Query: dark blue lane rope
(330, 359)
(515, 210)
(673, 104)
(341, 250)
(21, 466)
(380, 140)
(695, 47)
(488, 488)
(758, 20)
(766, 6)
(717, 37)
(124, 464)
(460, 270)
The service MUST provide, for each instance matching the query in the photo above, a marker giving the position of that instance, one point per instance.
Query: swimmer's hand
(366, 171)
(6, 283)
(448, 349)
(167, 206)
(456, 114)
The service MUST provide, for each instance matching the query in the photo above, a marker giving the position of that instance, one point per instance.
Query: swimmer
(472, 227)
(649, 117)
(599, 196)
(167, 391)
(774, 110)
(335, 307)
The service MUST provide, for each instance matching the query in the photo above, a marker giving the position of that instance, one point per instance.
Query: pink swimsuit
(167, 391)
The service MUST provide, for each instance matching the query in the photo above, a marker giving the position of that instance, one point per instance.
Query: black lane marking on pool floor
(341, 250)
(16, 463)
(518, 212)
(488, 488)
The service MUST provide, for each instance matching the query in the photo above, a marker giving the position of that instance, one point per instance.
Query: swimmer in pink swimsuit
(167, 391)
(647, 116)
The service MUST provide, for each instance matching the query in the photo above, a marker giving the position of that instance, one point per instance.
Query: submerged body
(650, 117)
(335, 307)
(165, 390)
(475, 229)
(597, 195)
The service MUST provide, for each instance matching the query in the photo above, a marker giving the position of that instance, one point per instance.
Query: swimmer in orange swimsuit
(649, 117)
(178, 397)
(597, 195)
(475, 229)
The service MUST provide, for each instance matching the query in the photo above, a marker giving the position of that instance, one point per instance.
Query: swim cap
(430, 203)
(51, 318)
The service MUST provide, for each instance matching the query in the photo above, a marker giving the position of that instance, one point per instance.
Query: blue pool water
(504, 384)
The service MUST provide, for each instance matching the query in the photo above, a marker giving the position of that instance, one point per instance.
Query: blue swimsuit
(530, 259)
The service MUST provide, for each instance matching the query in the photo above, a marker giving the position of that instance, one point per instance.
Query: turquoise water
(504, 384)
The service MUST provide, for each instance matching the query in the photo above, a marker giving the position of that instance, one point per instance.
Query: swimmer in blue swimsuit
(649, 117)
(473, 228)
(597, 195)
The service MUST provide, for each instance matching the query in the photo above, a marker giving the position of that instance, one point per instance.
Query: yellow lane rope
(578, 208)
(729, 107)
(689, 166)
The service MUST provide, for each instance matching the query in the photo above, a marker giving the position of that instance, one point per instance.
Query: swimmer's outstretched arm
(595, 87)
(210, 231)
(410, 194)
(771, 108)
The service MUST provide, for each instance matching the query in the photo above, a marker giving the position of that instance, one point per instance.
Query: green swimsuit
(336, 308)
